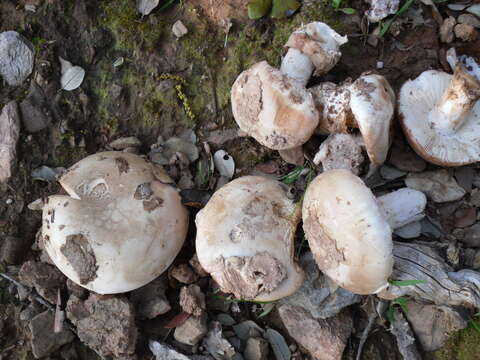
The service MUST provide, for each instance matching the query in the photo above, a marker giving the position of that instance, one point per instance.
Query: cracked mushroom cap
(347, 232)
(272, 108)
(119, 227)
(440, 116)
(367, 104)
(245, 239)
(320, 43)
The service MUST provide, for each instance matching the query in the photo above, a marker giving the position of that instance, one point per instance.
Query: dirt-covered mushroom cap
(272, 108)
(367, 104)
(440, 116)
(314, 46)
(372, 102)
(347, 232)
(118, 228)
(245, 239)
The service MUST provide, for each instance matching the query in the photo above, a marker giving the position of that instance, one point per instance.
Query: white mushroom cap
(245, 239)
(347, 232)
(372, 102)
(314, 46)
(273, 108)
(367, 104)
(120, 227)
(440, 116)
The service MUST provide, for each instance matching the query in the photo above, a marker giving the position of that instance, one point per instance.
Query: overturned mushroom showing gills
(245, 239)
(367, 104)
(118, 228)
(440, 116)
(272, 108)
(350, 232)
(314, 47)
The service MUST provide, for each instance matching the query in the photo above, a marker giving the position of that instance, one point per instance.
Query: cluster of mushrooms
(122, 223)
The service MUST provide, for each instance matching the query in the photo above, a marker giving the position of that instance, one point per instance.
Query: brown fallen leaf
(177, 320)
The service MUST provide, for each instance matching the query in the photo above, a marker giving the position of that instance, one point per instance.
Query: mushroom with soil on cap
(313, 47)
(273, 108)
(245, 239)
(367, 104)
(120, 226)
(440, 116)
(350, 231)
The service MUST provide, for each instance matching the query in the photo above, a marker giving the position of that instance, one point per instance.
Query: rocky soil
(163, 91)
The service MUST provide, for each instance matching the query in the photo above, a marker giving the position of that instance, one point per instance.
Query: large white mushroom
(350, 231)
(245, 239)
(273, 108)
(440, 116)
(118, 228)
(367, 104)
(313, 47)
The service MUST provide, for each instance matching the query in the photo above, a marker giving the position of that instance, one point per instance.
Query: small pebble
(466, 32)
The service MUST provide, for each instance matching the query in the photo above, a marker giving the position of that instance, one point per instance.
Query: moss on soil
(208, 66)
(464, 345)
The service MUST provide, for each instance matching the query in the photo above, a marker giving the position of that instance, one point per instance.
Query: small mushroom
(273, 108)
(314, 46)
(367, 104)
(245, 239)
(350, 231)
(118, 228)
(440, 116)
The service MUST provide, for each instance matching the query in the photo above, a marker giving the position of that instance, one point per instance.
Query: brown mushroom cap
(273, 108)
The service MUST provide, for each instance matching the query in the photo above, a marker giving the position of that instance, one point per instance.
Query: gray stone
(323, 339)
(106, 324)
(471, 236)
(9, 133)
(192, 330)
(406, 160)
(247, 329)
(225, 319)
(32, 310)
(475, 198)
(433, 324)
(438, 185)
(46, 279)
(216, 344)
(150, 300)
(125, 142)
(316, 296)
(469, 19)
(446, 30)
(44, 340)
(12, 250)
(165, 352)
(256, 349)
(36, 114)
(16, 58)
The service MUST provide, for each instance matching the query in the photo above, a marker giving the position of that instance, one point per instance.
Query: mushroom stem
(457, 101)
(403, 206)
(297, 66)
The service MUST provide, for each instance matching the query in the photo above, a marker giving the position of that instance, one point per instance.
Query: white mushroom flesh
(245, 239)
(120, 227)
(347, 232)
(314, 46)
(440, 116)
(340, 151)
(272, 108)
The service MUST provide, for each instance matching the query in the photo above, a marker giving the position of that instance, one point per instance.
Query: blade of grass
(406, 282)
(389, 22)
